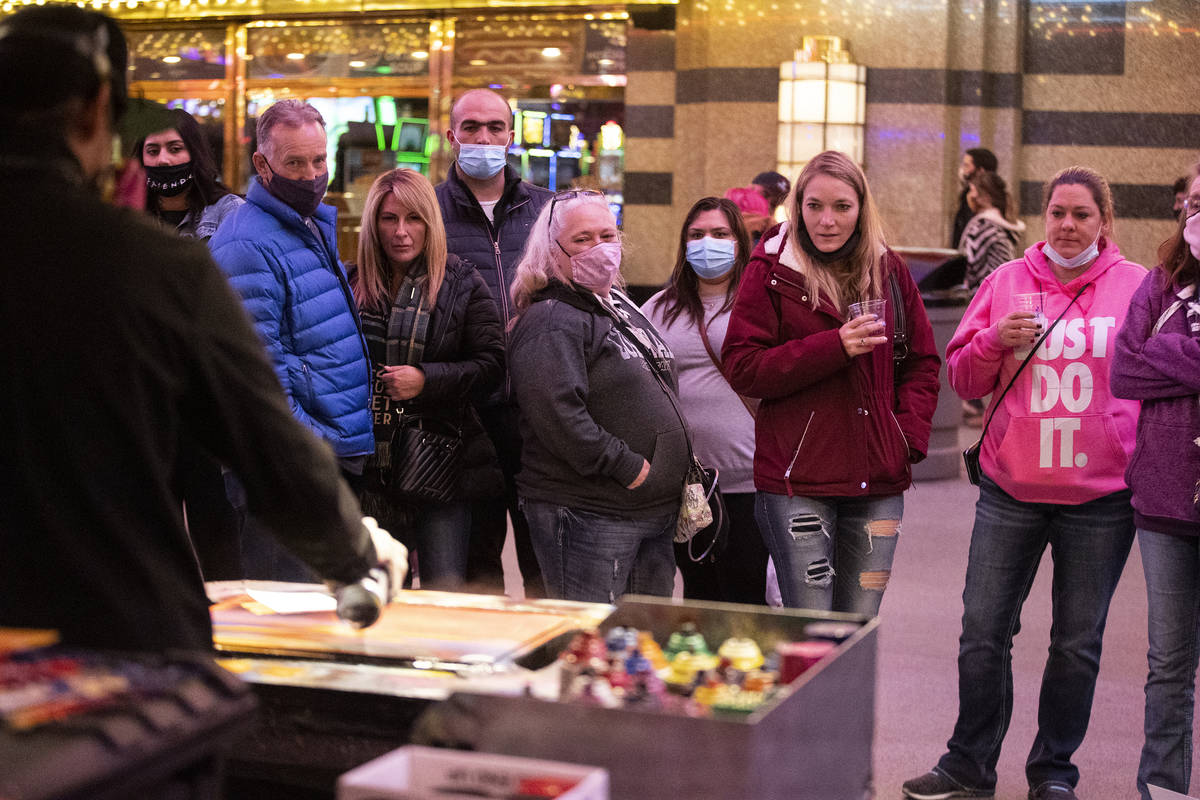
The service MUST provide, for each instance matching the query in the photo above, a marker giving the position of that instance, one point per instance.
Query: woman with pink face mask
(604, 449)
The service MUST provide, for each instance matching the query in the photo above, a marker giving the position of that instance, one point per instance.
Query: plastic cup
(1031, 303)
(875, 307)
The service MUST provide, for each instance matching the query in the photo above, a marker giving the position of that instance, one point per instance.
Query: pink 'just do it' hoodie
(1059, 435)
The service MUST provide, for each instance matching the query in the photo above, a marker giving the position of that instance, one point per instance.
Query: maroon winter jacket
(828, 426)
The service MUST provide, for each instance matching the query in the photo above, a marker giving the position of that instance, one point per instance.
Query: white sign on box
(1159, 793)
(429, 773)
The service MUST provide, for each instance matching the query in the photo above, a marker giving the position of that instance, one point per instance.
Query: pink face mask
(596, 268)
(1191, 234)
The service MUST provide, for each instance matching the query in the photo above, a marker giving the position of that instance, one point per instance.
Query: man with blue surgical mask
(488, 210)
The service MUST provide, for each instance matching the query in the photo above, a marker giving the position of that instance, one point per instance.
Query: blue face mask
(1089, 253)
(482, 161)
(711, 258)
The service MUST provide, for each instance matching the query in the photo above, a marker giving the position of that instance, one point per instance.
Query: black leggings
(739, 574)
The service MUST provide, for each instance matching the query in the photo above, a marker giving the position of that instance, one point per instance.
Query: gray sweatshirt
(591, 409)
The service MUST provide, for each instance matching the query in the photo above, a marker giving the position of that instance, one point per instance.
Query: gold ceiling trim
(151, 10)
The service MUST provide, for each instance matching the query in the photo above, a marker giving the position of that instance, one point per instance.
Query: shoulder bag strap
(900, 320)
(1028, 358)
(623, 328)
(703, 326)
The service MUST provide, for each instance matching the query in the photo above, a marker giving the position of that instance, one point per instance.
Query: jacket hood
(1042, 270)
(993, 215)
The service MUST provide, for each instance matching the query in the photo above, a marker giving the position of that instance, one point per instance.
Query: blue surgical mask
(1088, 253)
(711, 258)
(482, 161)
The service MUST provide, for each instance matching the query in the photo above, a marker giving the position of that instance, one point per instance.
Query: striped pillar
(649, 155)
(1040, 86)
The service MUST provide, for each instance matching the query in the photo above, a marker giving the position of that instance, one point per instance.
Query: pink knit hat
(749, 200)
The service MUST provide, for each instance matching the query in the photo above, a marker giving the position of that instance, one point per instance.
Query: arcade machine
(547, 149)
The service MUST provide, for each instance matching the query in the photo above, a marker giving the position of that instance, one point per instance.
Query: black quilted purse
(426, 460)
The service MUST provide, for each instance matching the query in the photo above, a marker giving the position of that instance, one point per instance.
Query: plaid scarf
(395, 339)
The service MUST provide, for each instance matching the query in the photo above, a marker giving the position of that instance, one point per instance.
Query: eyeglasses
(573, 193)
(1191, 206)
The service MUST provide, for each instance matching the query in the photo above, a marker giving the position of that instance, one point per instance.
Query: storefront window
(177, 55)
(567, 75)
(338, 51)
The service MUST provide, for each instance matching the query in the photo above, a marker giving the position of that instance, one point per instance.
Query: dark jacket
(151, 348)
(591, 409)
(493, 247)
(1162, 369)
(296, 292)
(961, 218)
(828, 425)
(463, 361)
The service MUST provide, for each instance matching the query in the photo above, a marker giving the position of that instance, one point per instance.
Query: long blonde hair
(867, 259)
(539, 262)
(372, 283)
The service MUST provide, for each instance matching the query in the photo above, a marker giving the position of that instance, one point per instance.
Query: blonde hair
(539, 263)
(866, 262)
(373, 281)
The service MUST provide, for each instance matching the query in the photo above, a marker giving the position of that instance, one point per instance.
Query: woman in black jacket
(434, 338)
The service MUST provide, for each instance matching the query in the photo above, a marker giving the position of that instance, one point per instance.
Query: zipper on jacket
(504, 309)
(904, 440)
(787, 474)
(308, 381)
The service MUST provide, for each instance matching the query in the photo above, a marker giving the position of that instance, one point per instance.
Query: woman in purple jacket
(1157, 361)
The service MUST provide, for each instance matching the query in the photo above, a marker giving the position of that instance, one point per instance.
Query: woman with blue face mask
(692, 313)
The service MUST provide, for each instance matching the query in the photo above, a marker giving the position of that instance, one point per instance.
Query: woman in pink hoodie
(1053, 462)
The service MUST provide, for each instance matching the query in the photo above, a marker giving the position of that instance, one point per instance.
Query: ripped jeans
(831, 553)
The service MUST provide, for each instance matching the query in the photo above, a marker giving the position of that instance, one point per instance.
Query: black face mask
(806, 243)
(169, 180)
(301, 195)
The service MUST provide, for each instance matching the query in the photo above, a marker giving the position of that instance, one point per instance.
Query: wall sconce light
(822, 104)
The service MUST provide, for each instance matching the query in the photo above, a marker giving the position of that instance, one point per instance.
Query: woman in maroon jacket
(844, 411)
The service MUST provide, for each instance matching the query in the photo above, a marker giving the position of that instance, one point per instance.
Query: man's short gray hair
(291, 113)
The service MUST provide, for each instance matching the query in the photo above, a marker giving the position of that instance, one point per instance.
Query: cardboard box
(426, 773)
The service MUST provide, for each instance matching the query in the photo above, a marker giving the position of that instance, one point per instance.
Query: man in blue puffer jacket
(279, 251)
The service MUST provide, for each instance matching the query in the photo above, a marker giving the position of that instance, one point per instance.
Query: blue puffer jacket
(296, 292)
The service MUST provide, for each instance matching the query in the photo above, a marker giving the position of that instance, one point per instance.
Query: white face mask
(482, 161)
(1088, 253)
(1191, 234)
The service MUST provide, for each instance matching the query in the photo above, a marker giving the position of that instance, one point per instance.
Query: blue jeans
(439, 537)
(1172, 567)
(597, 558)
(831, 553)
(1089, 544)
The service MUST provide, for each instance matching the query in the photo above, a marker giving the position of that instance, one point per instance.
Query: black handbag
(426, 462)
(971, 454)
